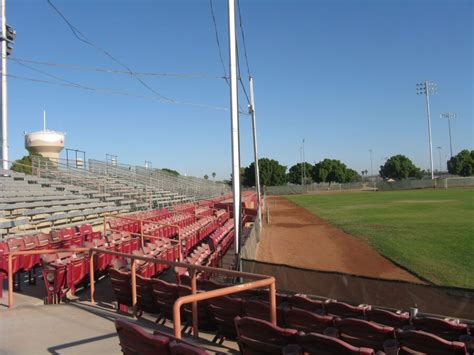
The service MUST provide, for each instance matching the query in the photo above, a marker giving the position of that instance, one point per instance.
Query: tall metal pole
(439, 152)
(371, 165)
(234, 111)
(426, 88)
(255, 151)
(429, 127)
(449, 116)
(3, 86)
(301, 160)
(304, 166)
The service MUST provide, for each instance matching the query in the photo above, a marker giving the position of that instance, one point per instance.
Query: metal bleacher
(30, 203)
(133, 186)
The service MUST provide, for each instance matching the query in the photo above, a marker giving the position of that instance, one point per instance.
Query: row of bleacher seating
(329, 327)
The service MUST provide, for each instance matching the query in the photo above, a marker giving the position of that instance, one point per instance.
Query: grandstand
(153, 264)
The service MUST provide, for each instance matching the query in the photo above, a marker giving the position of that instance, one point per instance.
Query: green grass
(430, 232)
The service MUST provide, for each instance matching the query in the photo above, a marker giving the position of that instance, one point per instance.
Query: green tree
(332, 170)
(213, 176)
(24, 165)
(399, 167)
(462, 164)
(170, 171)
(295, 174)
(206, 177)
(272, 173)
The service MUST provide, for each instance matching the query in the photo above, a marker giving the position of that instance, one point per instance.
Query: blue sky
(339, 73)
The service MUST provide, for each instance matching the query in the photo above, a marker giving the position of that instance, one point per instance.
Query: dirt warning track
(296, 237)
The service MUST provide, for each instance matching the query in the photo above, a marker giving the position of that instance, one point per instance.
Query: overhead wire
(217, 41)
(243, 39)
(109, 91)
(81, 37)
(114, 71)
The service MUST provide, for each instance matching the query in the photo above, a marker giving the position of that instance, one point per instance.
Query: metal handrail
(261, 281)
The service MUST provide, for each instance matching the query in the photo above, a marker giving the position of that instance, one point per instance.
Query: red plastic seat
(392, 319)
(204, 318)
(417, 341)
(314, 343)
(224, 310)
(444, 329)
(362, 333)
(165, 294)
(306, 321)
(343, 310)
(145, 300)
(134, 340)
(256, 336)
(306, 303)
(54, 275)
(121, 286)
(260, 310)
(180, 348)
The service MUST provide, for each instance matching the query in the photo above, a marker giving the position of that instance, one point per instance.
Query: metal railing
(258, 282)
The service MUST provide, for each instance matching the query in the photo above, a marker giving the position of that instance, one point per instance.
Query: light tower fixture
(449, 116)
(428, 88)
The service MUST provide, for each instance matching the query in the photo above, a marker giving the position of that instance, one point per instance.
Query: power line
(243, 39)
(81, 37)
(110, 91)
(115, 71)
(217, 40)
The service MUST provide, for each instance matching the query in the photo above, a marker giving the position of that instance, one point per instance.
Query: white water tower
(46, 142)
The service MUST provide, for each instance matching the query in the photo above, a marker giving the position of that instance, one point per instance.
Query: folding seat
(224, 310)
(314, 343)
(67, 237)
(42, 241)
(87, 232)
(306, 321)
(256, 336)
(54, 275)
(303, 302)
(145, 300)
(417, 341)
(143, 268)
(363, 333)
(445, 329)
(260, 310)
(392, 319)
(76, 270)
(25, 262)
(101, 260)
(126, 246)
(121, 285)
(135, 340)
(204, 318)
(165, 295)
(343, 310)
(55, 240)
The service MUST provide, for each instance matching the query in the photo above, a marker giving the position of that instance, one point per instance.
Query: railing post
(194, 304)
(91, 275)
(105, 216)
(273, 316)
(141, 233)
(134, 287)
(10, 282)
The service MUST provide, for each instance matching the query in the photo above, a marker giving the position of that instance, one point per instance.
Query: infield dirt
(296, 237)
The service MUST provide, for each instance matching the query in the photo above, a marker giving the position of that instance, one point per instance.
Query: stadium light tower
(449, 116)
(426, 88)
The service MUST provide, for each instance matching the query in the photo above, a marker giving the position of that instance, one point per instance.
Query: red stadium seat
(224, 310)
(343, 310)
(362, 333)
(306, 303)
(445, 329)
(314, 343)
(306, 321)
(392, 319)
(416, 341)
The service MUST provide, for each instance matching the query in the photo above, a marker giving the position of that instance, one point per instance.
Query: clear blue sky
(341, 74)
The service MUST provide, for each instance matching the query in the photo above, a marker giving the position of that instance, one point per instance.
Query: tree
(295, 173)
(332, 170)
(213, 176)
(170, 171)
(399, 167)
(272, 173)
(25, 164)
(462, 163)
(206, 177)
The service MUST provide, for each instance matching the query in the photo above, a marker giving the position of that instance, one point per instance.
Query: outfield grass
(430, 232)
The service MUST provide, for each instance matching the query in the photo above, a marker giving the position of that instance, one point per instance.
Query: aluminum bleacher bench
(100, 195)
(114, 198)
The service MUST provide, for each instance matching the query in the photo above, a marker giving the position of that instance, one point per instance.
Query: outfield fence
(444, 183)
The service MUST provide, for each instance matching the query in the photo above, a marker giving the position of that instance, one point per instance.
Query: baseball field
(427, 232)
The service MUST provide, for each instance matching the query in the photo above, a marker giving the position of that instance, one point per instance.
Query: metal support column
(3, 86)
(255, 152)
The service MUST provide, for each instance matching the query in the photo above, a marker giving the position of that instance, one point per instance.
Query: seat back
(256, 336)
(445, 329)
(422, 342)
(306, 303)
(180, 348)
(121, 285)
(314, 343)
(392, 319)
(165, 295)
(360, 332)
(224, 310)
(343, 310)
(145, 298)
(306, 321)
(134, 340)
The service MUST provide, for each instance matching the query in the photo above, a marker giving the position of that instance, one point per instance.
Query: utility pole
(426, 88)
(439, 152)
(371, 165)
(234, 116)
(3, 85)
(255, 151)
(304, 166)
(449, 116)
(301, 160)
